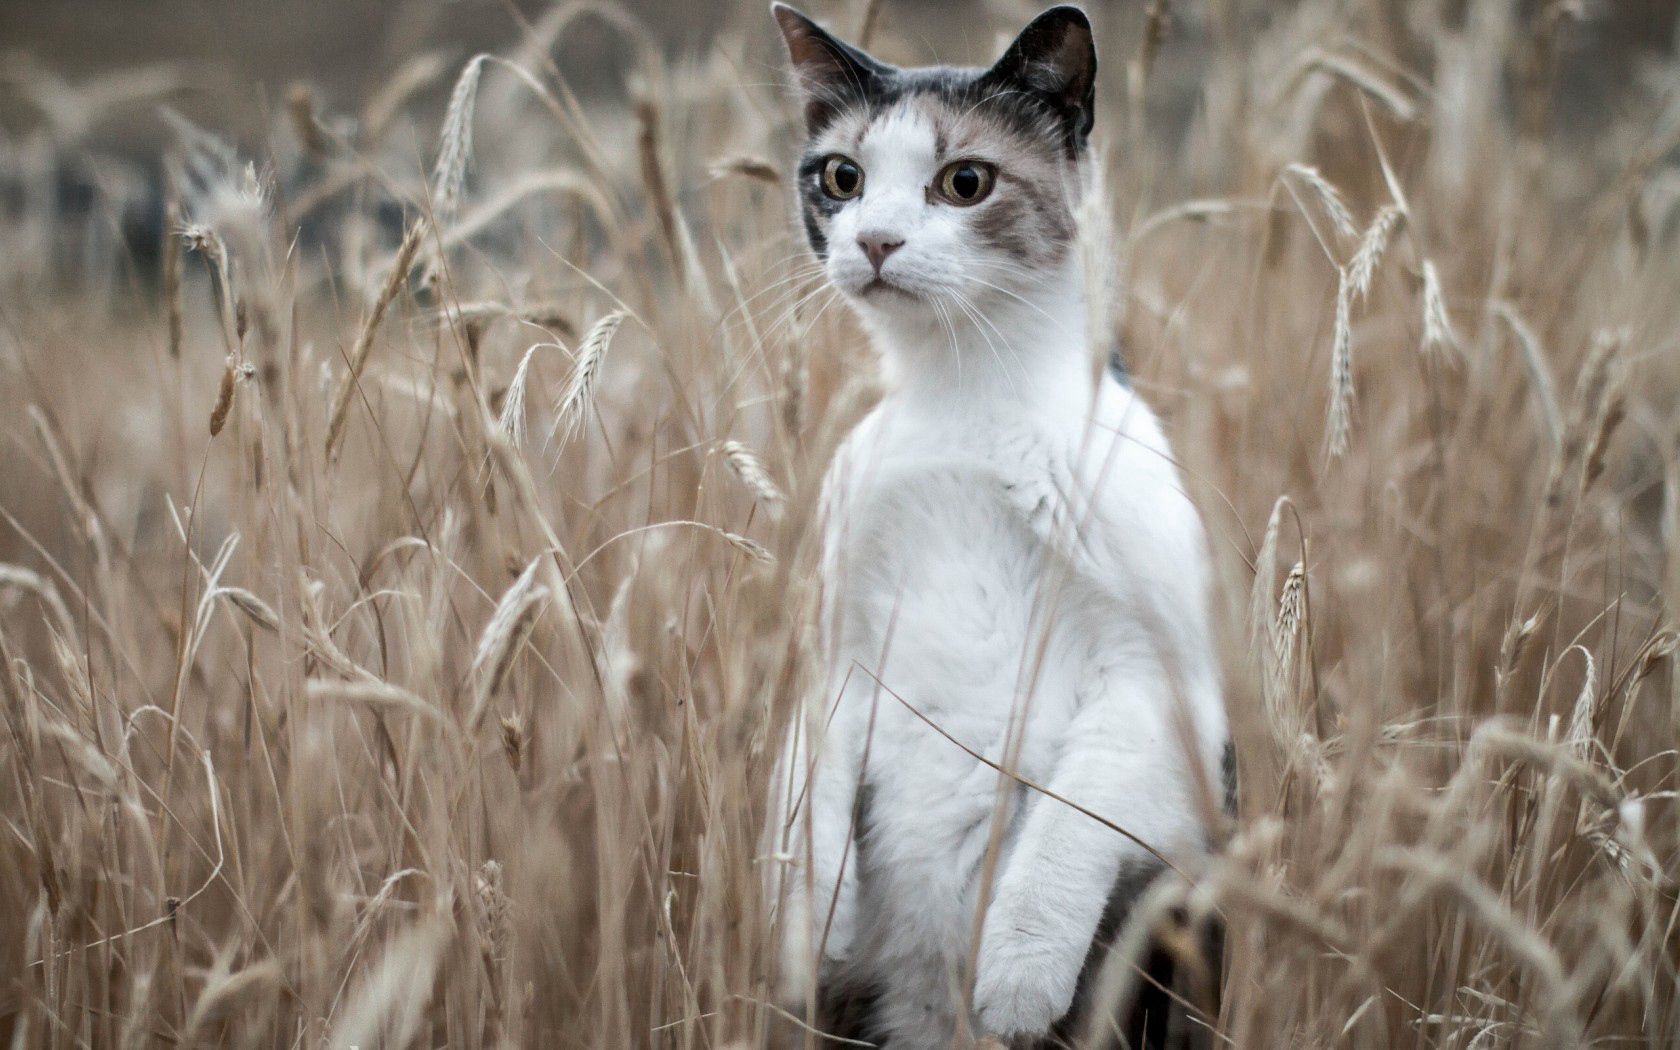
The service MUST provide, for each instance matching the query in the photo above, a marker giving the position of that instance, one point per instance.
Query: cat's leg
(1055, 882)
(817, 790)
(1142, 1023)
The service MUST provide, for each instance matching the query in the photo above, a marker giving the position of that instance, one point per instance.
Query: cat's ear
(1055, 59)
(832, 75)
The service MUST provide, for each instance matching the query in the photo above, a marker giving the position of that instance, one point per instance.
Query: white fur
(1008, 549)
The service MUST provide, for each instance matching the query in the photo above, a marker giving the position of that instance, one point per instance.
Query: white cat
(1011, 569)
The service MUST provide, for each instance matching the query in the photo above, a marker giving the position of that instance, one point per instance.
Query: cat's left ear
(1055, 59)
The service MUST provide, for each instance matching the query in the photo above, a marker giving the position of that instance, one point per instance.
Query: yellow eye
(966, 182)
(842, 179)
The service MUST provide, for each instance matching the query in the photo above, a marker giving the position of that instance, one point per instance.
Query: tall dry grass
(397, 617)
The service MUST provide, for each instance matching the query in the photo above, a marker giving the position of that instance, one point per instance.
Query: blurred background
(233, 66)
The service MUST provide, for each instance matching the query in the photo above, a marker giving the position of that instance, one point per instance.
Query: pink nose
(878, 246)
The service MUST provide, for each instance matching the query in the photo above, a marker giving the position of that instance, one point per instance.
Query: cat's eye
(842, 179)
(966, 182)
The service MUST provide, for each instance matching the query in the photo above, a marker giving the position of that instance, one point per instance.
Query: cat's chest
(942, 582)
(925, 499)
(936, 553)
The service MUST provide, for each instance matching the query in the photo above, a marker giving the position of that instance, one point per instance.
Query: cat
(1011, 570)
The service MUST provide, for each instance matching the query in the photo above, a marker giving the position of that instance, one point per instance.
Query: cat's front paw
(1026, 979)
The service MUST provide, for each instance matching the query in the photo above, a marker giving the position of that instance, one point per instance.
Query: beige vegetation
(396, 619)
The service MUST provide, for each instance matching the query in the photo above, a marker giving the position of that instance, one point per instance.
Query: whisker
(973, 310)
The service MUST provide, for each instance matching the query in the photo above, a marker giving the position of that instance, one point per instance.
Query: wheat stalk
(373, 693)
(1438, 334)
(1371, 246)
(751, 548)
(1285, 717)
(1534, 358)
(1341, 371)
(389, 1005)
(515, 740)
(252, 606)
(455, 143)
(750, 469)
(224, 396)
(400, 267)
(510, 625)
(746, 166)
(1265, 573)
(544, 315)
(306, 126)
(1604, 415)
(25, 579)
(1581, 715)
(1329, 197)
(1367, 80)
(512, 420)
(494, 928)
(575, 398)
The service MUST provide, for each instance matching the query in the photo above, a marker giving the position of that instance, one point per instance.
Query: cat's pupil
(965, 182)
(845, 178)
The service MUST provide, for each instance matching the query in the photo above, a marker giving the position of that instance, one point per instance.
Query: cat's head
(920, 186)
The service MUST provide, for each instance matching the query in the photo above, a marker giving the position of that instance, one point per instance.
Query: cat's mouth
(881, 284)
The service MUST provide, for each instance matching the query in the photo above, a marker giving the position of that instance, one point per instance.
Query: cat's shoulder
(1142, 507)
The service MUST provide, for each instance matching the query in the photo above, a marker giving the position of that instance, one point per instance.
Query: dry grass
(456, 738)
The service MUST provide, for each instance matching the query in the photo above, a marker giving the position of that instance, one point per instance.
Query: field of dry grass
(405, 571)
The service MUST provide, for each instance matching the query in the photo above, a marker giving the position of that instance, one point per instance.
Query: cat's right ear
(832, 75)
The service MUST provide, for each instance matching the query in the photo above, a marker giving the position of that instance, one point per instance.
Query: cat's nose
(878, 246)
